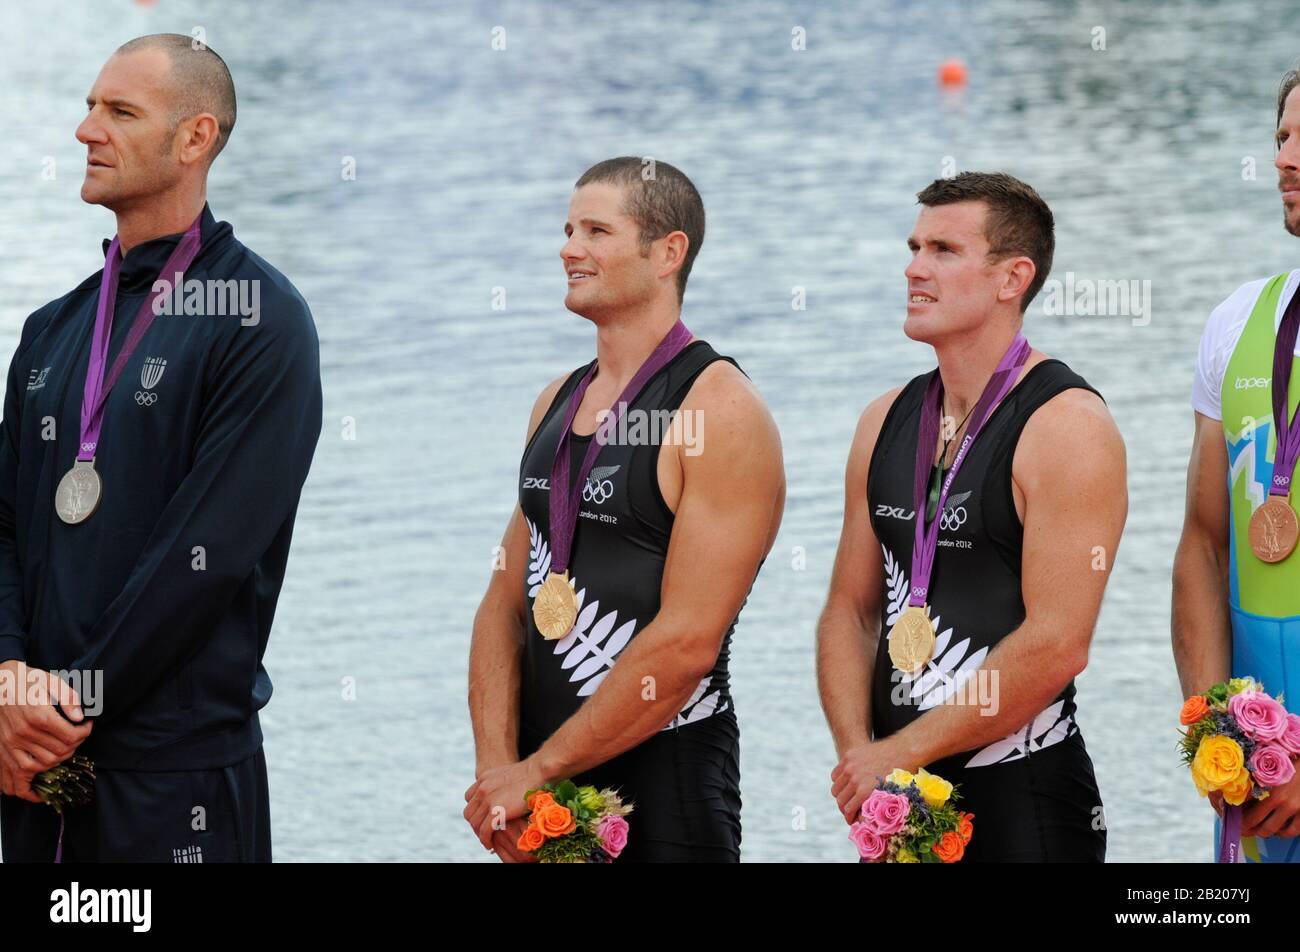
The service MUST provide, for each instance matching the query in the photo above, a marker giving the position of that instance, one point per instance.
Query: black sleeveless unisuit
(685, 779)
(1033, 792)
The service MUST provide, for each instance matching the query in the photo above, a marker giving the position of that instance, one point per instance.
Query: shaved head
(199, 81)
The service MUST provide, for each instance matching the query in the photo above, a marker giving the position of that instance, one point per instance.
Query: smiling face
(130, 144)
(952, 287)
(1288, 161)
(606, 267)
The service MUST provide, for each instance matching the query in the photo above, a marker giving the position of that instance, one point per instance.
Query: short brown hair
(660, 199)
(1290, 79)
(1018, 221)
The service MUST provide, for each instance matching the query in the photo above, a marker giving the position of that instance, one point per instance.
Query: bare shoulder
(734, 407)
(543, 403)
(868, 431)
(1073, 431)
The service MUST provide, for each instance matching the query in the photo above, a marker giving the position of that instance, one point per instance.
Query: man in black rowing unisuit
(600, 650)
(984, 503)
(159, 422)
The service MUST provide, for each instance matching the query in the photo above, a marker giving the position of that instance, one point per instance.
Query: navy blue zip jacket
(169, 588)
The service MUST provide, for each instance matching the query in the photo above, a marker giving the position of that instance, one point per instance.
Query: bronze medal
(1274, 529)
(555, 608)
(911, 640)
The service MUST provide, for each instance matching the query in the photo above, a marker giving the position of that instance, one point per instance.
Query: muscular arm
(1075, 503)
(1202, 632)
(732, 497)
(496, 647)
(849, 629)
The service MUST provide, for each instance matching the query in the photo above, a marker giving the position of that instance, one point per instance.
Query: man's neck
(966, 363)
(164, 214)
(624, 343)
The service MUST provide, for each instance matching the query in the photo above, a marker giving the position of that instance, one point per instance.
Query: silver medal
(78, 493)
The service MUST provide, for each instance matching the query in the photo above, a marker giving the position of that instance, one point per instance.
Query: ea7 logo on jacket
(36, 379)
(150, 374)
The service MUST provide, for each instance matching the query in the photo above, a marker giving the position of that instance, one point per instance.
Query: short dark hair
(200, 81)
(1290, 79)
(1018, 221)
(660, 199)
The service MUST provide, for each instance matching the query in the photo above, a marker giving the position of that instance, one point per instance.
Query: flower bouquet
(911, 819)
(1239, 742)
(572, 824)
(70, 784)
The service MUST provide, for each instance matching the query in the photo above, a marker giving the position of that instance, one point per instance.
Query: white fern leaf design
(698, 706)
(539, 559)
(1048, 728)
(897, 583)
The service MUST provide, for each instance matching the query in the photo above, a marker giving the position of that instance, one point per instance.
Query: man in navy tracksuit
(161, 597)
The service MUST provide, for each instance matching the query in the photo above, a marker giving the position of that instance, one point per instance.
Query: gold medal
(555, 608)
(1274, 529)
(911, 640)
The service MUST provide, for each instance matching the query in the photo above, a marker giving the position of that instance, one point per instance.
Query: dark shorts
(220, 815)
(685, 785)
(1043, 808)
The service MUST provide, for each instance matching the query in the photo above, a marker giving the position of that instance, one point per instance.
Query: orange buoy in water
(952, 72)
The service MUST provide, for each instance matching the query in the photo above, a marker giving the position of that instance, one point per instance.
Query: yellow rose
(933, 788)
(1218, 761)
(900, 777)
(1238, 789)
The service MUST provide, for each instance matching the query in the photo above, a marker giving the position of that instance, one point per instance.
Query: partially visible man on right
(1236, 610)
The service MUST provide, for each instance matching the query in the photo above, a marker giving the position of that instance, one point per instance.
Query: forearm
(648, 686)
(495, 679)
(1201, 628)
(846, 650)
(1021, 677)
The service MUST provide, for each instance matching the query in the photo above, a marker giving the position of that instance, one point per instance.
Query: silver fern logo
(599, 487)
(592, 646)
(150, 376)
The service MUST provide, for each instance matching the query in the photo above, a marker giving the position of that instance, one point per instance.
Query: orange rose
(966, 827)
(531, 840)
(540, 800)
(555, 820)
(1194, 708)
(950, 847)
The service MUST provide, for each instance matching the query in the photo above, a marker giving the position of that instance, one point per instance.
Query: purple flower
(871, 846)
(1272, 765)
(885, 813)
(1259, 715)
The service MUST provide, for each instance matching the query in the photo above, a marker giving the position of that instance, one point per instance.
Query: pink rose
(1259, 715)
(1290, 738)
(1271, 765)
(885, 812)
(871, 846)
(612, 831)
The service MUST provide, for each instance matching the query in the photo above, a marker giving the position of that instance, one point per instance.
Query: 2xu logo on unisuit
(211, 298)
(102, 906)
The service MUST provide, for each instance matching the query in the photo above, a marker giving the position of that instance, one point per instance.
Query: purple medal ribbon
(94, 397)
(1288, 435)
(565, 494)
(1230, 837)
(927, 536)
